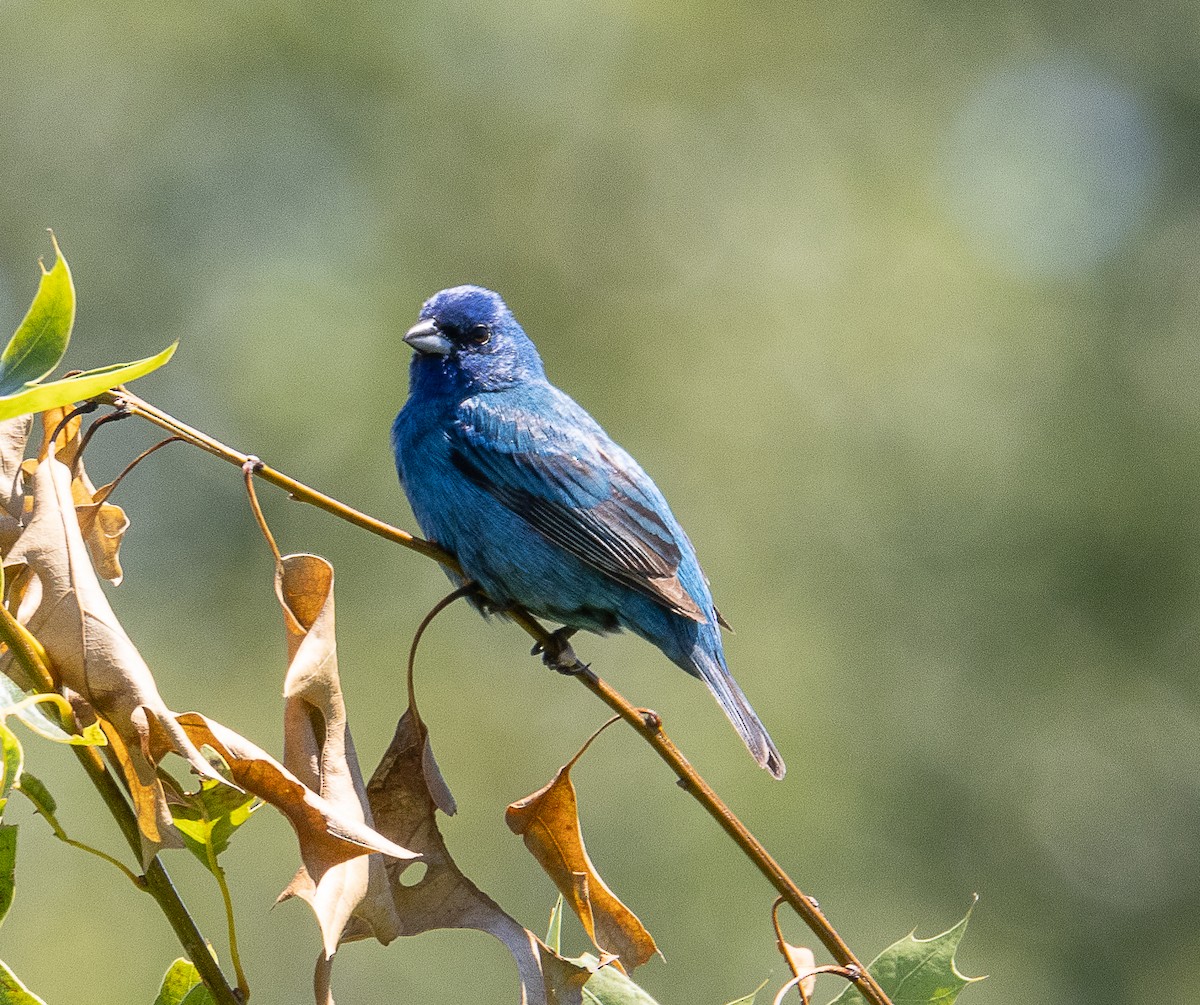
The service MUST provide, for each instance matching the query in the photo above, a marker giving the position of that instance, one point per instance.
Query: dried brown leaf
(402, 796)
(318, 748)
(802, 963)
(89, 649)
(103, 524)
(548, 822)
(67, 441)
(14, 435)
(327, 836)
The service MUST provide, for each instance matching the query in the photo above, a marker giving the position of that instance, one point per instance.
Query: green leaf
(41, 340)
(917, 971)
(210, 817)
(749, 999)
(57, 393)
(181, 985)
(13, 992)
(11, 760)
(8, 869)
(554, 929)
(25, 706)
(608, 986)
(37, 793)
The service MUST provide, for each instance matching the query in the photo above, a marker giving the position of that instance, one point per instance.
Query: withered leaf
(802, 963)
(318, 749)
(102, 524)
(327, 836)
(66, 443)
(14, 434)
(403, 802)
(548, 822)
(91, 653)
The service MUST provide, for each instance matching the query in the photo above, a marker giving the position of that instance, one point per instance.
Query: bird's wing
(543, 457)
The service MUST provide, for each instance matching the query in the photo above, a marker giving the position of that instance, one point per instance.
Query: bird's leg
(556, 652)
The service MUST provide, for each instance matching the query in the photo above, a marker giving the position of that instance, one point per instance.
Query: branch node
(252, 465)
(651, 718)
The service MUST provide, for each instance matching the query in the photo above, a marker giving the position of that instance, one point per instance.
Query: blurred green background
(898, 304)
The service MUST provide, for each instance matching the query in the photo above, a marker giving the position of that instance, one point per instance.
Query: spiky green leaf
(210, 817)
(11, 761)
(8, 870)
(608, 986)
(554, 929)
(58, 393)
(181, 985)
(41, 340)
(27, 708)
(13, 992)
(917, 971)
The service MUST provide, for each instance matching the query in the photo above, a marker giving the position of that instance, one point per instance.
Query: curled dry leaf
(548, 822)
(327, 836)
(802, 963)
(14, 435)
(102, 524)
(405, 792)
(318, 748)
(91, 653)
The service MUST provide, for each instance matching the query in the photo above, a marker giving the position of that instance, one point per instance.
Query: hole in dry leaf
(413, 874)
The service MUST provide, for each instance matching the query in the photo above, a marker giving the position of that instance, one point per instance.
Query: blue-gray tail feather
(716, 675)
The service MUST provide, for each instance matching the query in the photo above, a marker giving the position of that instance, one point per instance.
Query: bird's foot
(557, 654)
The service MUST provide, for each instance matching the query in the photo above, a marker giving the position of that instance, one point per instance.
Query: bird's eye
(480, 335)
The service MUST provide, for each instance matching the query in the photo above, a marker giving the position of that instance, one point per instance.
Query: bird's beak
(426, 339)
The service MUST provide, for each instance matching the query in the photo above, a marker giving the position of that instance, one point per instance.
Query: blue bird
(540, 507)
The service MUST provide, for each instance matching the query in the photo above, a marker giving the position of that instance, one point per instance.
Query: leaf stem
(234, 957)
(157, 882)
(650, 727)
(48, 815)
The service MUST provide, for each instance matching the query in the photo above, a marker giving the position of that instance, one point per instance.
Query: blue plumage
(541, 508)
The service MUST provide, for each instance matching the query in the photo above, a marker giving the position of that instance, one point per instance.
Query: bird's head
(468, 335)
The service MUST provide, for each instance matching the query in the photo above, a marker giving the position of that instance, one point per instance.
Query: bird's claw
(557, 654)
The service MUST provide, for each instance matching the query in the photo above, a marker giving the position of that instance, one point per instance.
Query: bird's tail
(714, 673)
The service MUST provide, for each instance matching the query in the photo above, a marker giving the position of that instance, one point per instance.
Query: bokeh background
(898, 303)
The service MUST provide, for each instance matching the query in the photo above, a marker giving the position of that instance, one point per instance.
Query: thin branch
(104, 493)
(463, 591)
(75, 413)
(116, 416)
(48, 815)
(248, 475)
(649, 726)
(158, 882)
(235, 957)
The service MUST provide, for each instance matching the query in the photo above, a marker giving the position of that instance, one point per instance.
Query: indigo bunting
(540, 507)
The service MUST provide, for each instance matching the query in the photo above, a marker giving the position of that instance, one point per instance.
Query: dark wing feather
(548, 462)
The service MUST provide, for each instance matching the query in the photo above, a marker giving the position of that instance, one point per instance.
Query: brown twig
(463, 591)
(248, 469)
(650, 727)
(104, 493)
